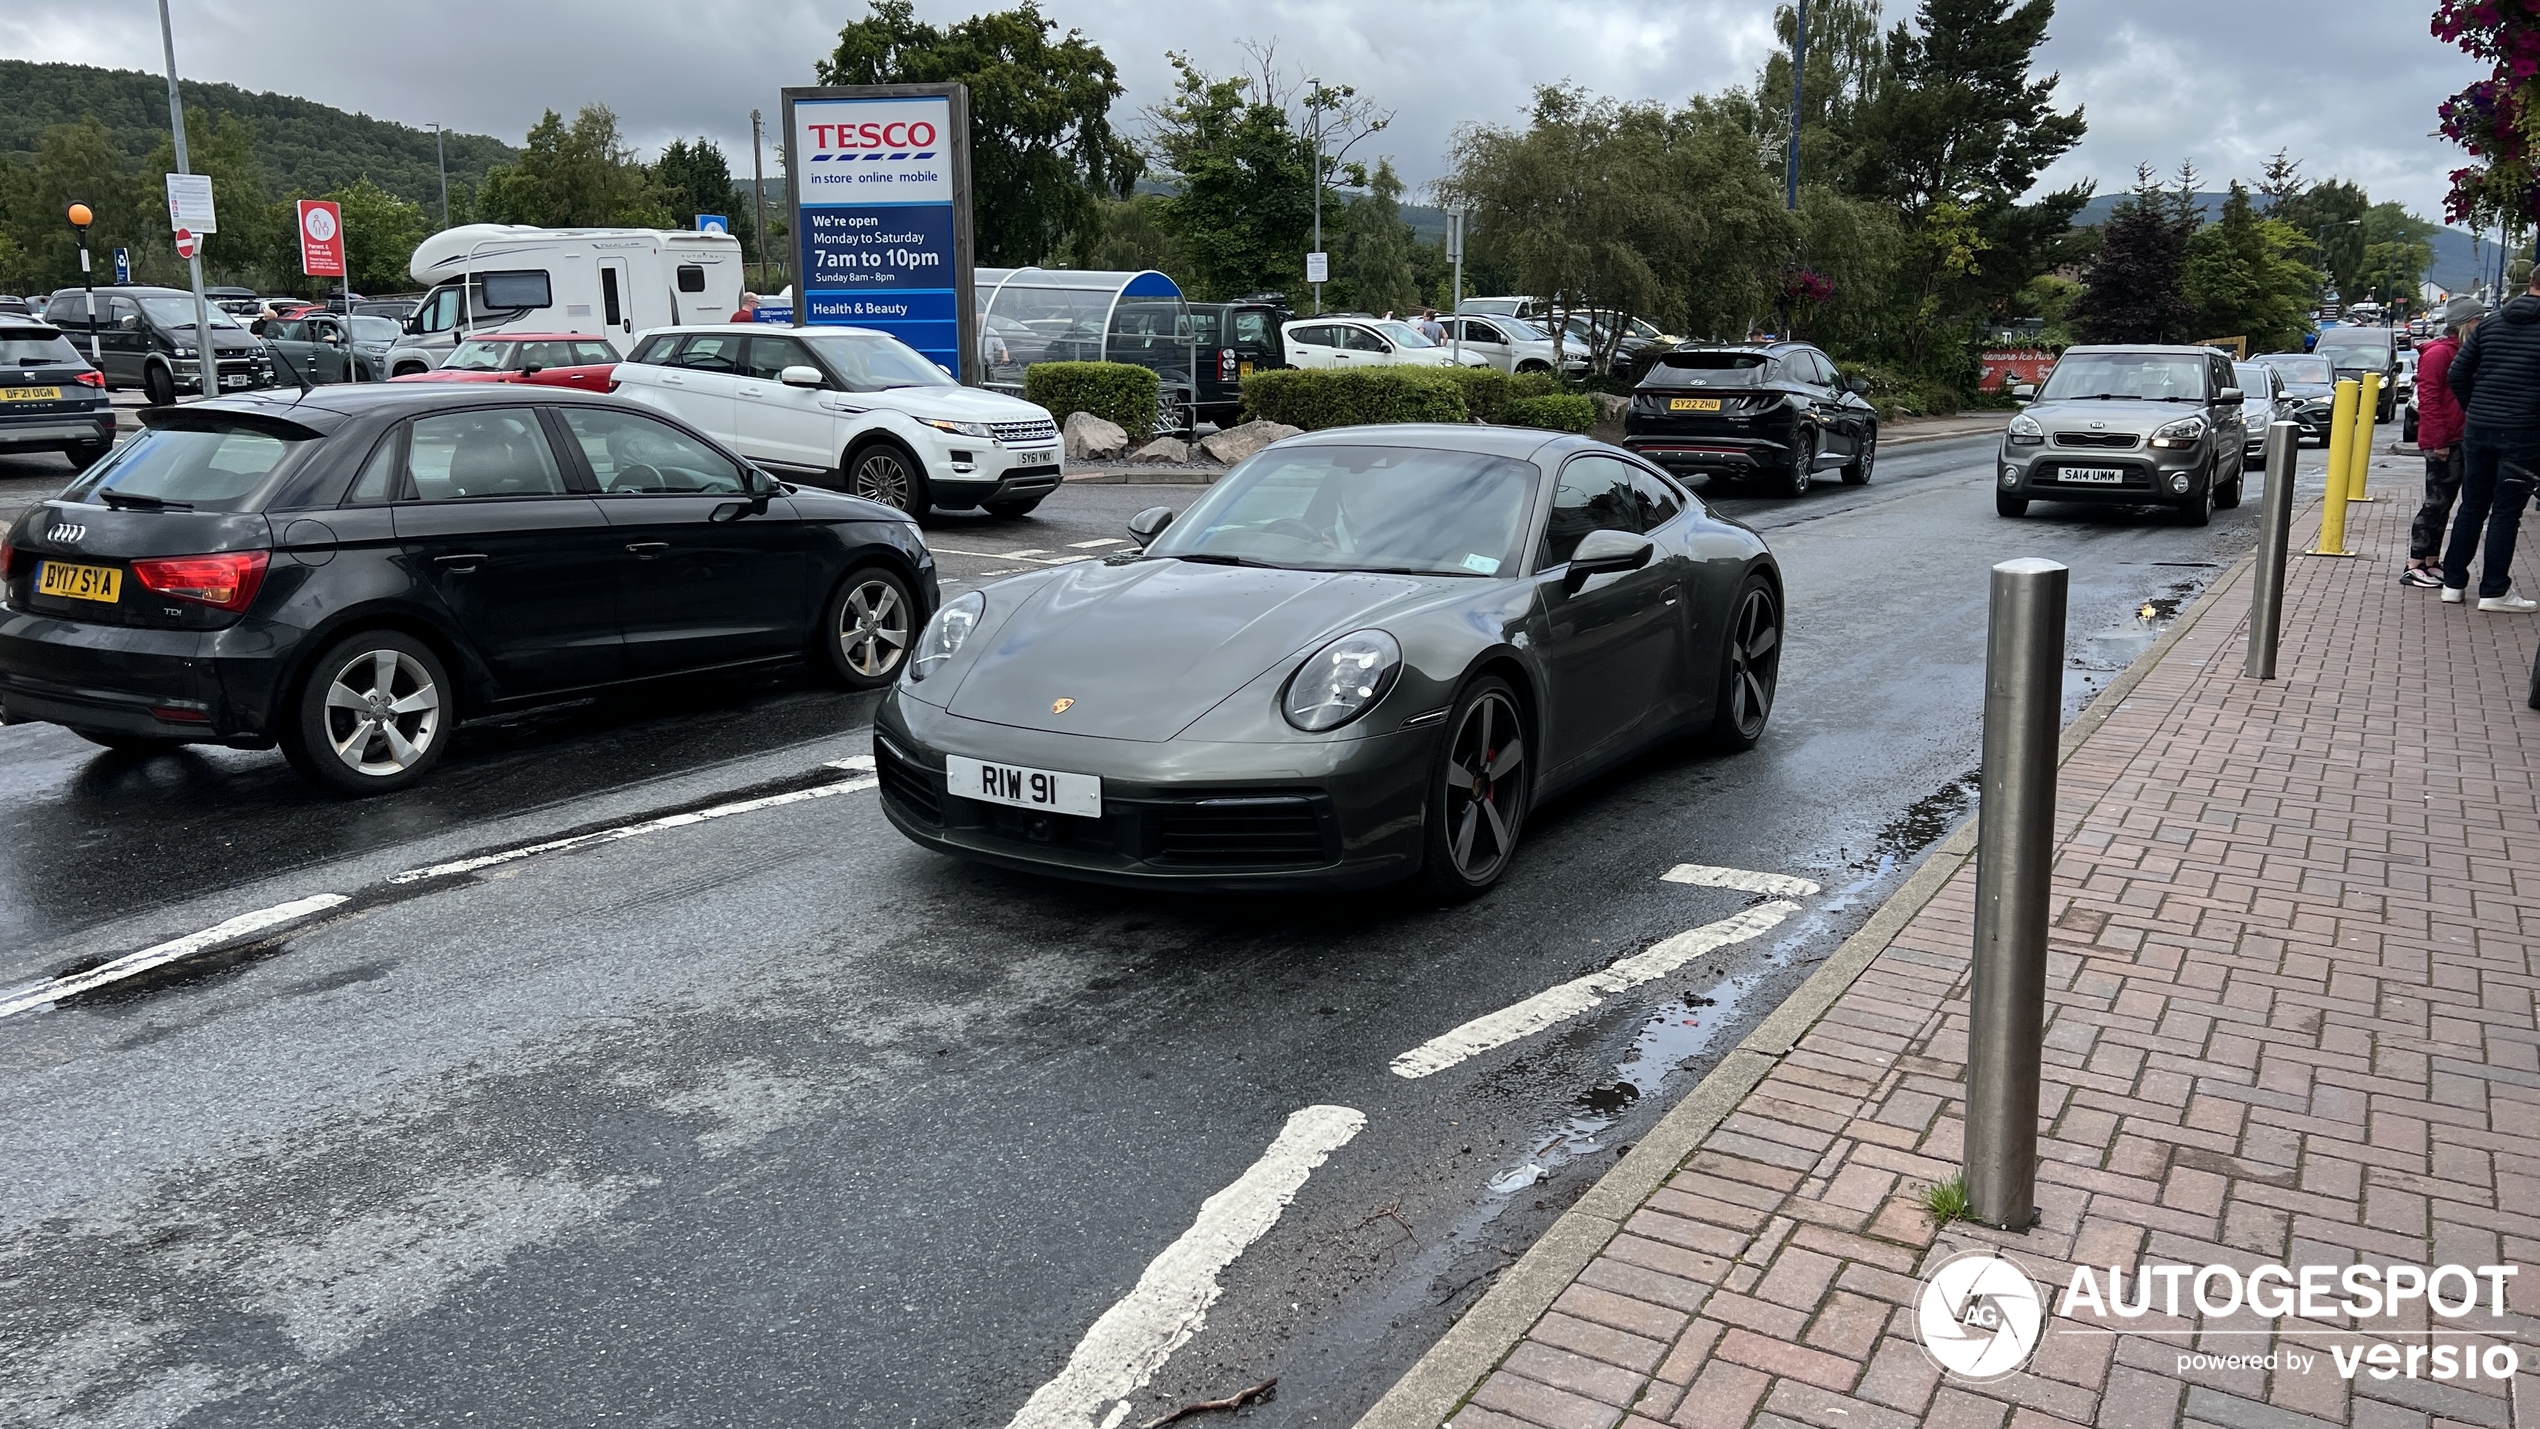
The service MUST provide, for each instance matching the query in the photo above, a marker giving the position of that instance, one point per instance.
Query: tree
(1245, 208)
(1373, 260)
(2134, 289)
(1040, 118)
(1133, 238)
(581, 176)
(225, 149)
(2397, 253)
(2331, 216)
(2243, 277)
(381, 231)
(74, 163)
(1847, 63)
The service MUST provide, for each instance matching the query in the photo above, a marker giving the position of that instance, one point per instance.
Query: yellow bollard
(2367, 405)
(2341, 439)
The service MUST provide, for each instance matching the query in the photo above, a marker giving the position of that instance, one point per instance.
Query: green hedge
(1315, 398)
(1485, 389)
(1560, 412)
(1118, 392)
(1533, 384)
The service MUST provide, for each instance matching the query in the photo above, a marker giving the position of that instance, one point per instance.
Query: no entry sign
(188, 243)
(321, 239)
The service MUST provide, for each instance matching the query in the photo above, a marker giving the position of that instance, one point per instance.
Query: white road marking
(1032, 551)
(1780, 885)
(1096, 545)
(133, 964)
(1035, 557)
(861, 763)
(1556, 1005)
(1136, 1336)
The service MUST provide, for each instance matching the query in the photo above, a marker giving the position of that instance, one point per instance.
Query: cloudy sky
(2350, 86)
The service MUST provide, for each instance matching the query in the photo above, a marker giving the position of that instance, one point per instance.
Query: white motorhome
(613, 282)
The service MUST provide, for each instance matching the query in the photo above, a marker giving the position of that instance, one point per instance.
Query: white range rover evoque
(849, 408)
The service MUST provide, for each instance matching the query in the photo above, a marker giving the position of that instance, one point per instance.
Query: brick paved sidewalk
(2290, 1020)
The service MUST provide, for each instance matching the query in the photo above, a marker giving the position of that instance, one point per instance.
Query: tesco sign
(868, 151)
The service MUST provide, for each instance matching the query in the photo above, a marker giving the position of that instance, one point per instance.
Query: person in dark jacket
(2496, 376)
(2439, 440)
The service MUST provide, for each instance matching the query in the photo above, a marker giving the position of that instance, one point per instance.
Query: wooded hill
(301, 144)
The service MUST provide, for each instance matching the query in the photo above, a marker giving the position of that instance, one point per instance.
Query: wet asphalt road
(778, 1119)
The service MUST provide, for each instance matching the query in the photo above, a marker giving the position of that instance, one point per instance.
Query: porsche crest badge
(1061, 705)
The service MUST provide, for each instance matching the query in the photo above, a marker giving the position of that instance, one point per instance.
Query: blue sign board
(123, 265)
(713, 223)
(881, 217)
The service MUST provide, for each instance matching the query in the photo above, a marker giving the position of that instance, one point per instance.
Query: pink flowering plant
(2494, 119)
(1809, 285)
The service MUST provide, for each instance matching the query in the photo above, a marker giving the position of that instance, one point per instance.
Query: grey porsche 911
(1362, 656)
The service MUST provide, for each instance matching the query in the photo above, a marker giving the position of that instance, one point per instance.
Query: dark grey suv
(2129, 426)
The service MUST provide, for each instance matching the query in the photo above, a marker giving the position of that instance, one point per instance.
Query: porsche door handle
(646, 550)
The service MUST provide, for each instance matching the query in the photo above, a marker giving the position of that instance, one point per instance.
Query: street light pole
(443, 164)
(80, 217)
(1314, 106)
(758, 197)
(206, 360)
(1798, 75)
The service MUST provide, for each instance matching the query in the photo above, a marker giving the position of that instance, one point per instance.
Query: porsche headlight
(2025, 431)
(1338, 683)
(2181, 433)
(980, 430)
(943, 634)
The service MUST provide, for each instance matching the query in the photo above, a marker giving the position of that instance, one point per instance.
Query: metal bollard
(2015, 850)
(2359, 457)
(2275, 532)
(2341, 439)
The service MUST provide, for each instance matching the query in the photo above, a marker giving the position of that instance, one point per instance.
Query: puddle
(1925, 822)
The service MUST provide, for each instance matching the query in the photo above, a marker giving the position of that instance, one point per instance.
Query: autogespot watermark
(1982, 1315)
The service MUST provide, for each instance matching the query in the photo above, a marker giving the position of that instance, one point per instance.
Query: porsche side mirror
(800, 375)
(1606, 553)
(1860, 386)
(1147, 524)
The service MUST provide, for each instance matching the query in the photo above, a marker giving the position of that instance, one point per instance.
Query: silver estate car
(2129, 426)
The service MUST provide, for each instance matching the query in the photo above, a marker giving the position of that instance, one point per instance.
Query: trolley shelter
(1029, 315)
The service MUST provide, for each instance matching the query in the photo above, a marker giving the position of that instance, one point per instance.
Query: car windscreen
(179, 312)
(1404, 335)
(2350, 354)
(1709, 369)
(2113, 376)
(1524, 331)
(478, 356)
(1362, 508)
(870, 362)
(368, 329)
(2253, 378)
(2301, 369)
(202, 466)
(25, 349)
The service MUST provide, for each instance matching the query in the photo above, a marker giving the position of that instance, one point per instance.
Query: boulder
(1235, 443)
(1090, 438)
(1171, 451)
(1609, 415)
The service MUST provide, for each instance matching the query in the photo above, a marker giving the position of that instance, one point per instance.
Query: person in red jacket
(2439, 438)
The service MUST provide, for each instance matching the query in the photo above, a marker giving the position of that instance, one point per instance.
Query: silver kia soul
(2129, 426)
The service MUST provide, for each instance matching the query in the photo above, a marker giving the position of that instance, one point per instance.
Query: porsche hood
(1139, 651)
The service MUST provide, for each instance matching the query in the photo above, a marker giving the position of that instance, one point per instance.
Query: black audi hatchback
(349, 573)
(1775, 411)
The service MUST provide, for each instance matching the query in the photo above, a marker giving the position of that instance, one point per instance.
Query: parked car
(549, 359)
(1526, 310)
(1509, 344)
(2127, 425)
(1343, 342)
(2407, 392)
(316, 347)
(1778, 411)
(2263, 403)
(15, 307)
(1234, 339)
(50, 398)
(241, 303)
(1363, 656)
(350, 573)
(2309, 391)
(851, 408)
(146, 337)
(2354, 351)
(394, 309)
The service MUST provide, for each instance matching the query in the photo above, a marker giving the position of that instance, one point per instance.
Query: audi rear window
(1709, 369)
(201, 466)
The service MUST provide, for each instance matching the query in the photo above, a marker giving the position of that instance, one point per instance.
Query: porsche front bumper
(1315, 814)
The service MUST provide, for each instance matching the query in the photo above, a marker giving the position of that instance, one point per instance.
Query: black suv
(350, 572)
(1773, 410)
(1234, 339)
(50, 398)
(145, 339)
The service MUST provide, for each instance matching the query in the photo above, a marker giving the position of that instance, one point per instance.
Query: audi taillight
(91, 378)
(224, 582)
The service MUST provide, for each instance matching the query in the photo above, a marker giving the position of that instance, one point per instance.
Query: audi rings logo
(66, 533)
(1980, 1316)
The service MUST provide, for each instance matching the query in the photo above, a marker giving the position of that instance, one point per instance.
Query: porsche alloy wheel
(1750, 669)
(1481, 796)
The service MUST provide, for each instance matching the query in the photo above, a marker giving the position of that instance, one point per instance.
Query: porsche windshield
(1343, 508)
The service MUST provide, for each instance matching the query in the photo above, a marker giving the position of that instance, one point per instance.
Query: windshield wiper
(127, 501)
(1213, 558)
